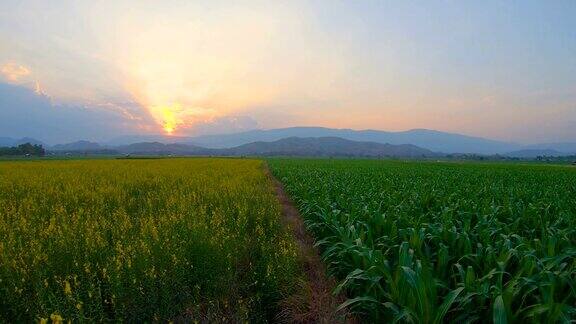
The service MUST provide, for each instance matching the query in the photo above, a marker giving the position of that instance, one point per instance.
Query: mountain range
(291, 146)
(429, 139)
(314, 141)
(326, 146)
(77, 146)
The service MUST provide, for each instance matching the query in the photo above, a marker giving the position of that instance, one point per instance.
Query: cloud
(25, 113)
(191, 66)
(14, 72)
(186, 64)
(195, 63)
(223, 125)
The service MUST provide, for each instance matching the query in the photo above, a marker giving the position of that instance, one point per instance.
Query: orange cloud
(13, 72)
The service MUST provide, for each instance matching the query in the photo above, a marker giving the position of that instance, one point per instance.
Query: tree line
(26, 149)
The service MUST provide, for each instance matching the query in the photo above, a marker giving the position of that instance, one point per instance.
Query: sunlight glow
(169, 129)
(189, 71)
(167, 117)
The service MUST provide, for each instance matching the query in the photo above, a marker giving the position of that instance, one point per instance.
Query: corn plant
(423, 242)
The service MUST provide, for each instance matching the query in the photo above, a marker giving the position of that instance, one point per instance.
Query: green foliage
(141, 240)
(443, 242)
(23, 149)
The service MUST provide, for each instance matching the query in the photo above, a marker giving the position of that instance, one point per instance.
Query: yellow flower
(67, 288)
(56, 319)
(43, 320)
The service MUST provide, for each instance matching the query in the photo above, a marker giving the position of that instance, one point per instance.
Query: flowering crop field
(141, 240)
(443, 242)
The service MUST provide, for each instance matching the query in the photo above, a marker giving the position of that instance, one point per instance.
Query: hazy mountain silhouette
(78, 146)
(159, 148)
(428, 139)
(532, 153)
(434, 141)
(10, 142)
(292, 146)
(132, 139)
(566, 148)
(328, 146)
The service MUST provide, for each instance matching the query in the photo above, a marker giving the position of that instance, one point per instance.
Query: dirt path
(313, 302)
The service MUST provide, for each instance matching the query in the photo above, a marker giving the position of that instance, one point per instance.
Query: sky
(96, 70)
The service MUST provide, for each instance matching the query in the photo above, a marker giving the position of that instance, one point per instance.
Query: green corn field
(426, 242)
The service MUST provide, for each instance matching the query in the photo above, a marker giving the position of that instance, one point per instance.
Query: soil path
(314, 301)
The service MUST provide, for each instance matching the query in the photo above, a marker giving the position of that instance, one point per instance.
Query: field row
(433, 242)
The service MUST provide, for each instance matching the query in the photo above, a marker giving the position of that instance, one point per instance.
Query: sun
(168, 129)
(174, 118)
(167, 117)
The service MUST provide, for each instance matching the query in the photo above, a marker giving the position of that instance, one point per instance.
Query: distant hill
(431, 140)
(428, 139)
(160, 149)
(533, 153)
(10, 142)
(30, 140)
(565, 148)
(292, 146)
(327, 146)
(77, 146)
(131, 139)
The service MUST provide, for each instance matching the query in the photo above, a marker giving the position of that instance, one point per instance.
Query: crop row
(443, 242)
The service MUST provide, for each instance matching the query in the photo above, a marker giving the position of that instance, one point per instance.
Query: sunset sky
(94, 70)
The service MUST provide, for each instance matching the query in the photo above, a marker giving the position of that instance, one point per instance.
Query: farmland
(198, 239)
(442, 242)
(141, 240)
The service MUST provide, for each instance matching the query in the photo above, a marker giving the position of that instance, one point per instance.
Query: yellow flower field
(134, 240)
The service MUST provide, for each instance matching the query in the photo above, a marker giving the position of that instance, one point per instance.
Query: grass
(443, 242)
(141, 240)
